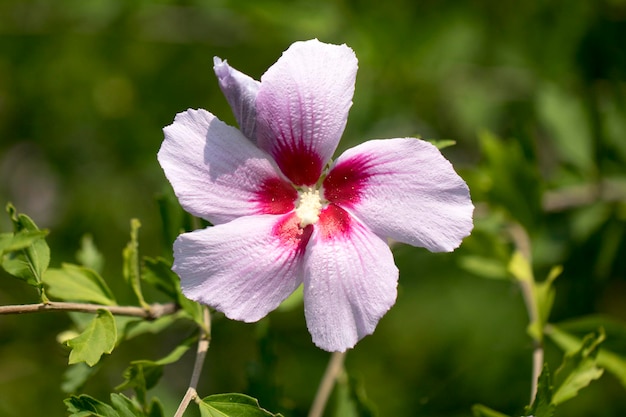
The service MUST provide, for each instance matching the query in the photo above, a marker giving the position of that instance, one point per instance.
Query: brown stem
(152, 312)
(203, 347)
(333, 370)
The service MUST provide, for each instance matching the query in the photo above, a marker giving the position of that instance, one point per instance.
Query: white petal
(218, 174)
(244, 268)
(350, 281)
(404, 189)
(302, 107)
(240, 91)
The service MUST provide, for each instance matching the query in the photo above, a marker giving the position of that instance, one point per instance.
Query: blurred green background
(87, 86)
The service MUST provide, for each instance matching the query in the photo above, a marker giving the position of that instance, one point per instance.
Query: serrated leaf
(143, 375)
(158, 273)
(97, 339)
(578, 369)
(89, 256)
(542, 406)
(77, 283)
(479, 410)
(130, 267)
(10, 242)
(232, 405)
(86, 406)
(125, 406)
(31, 262)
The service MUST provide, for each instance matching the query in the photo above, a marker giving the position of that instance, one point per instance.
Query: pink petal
(218, 174)
(350, 281)
(244, 268)
(404, 189)
(240, 91)
(302, 107)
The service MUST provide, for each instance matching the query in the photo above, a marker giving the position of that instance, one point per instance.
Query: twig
(333, 370)
(152, 312)
(203, 347)
(522, 242)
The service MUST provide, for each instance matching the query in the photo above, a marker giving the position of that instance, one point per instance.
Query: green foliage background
(86, 87)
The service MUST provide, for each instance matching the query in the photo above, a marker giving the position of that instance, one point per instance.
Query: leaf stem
(522, 242)
(333, 370)
(153, 311)
(203, 347)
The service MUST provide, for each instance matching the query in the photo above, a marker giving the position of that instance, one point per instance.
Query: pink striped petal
(404, 189)
(349, 283)
(240, 91)
(244, 268)
(218, 174)
(302, 107)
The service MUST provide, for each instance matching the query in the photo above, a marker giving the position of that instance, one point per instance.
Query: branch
(153, 311)
(203, 346)
(334, 368)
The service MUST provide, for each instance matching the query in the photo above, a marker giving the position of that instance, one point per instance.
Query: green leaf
(130, 268)
(98, 338)
(480, 410)
(137, 327)
(143, 375)
(10, 242)
(578, 369)
(155, 409)
(77, 283)
(542, 406)
(125, 406)
(158, 272)
(31, 262)
(86, 406)
(89, 256)
(232, 405)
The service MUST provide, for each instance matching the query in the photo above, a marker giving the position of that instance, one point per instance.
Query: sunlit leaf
(97, 339)
(89, 256)
(480, 410)
(30, 262)
(609, 360)
(232, 405)
(10, 242)
(77, 283)
(86, 406)
(578, 369)
(130, 269)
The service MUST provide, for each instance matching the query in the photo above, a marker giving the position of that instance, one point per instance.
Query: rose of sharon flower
(285, 215)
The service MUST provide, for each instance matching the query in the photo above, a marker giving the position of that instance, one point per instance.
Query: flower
(285, 215)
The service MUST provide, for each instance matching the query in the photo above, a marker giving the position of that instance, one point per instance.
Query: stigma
(309, 206)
